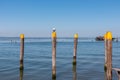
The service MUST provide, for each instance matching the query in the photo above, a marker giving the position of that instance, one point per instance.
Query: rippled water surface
(37, 59)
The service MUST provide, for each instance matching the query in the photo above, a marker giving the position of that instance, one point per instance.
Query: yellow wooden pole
(75, 48)
(108, 50)
(54, 54)
(21, 51)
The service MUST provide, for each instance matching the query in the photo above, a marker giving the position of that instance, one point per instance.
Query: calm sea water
(37, 59)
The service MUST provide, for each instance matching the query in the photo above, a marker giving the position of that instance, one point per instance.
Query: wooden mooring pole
(75, 48)
(54, 54)
(108, 55)
(21, 51)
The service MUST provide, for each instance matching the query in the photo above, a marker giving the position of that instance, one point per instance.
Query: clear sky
(36, 18)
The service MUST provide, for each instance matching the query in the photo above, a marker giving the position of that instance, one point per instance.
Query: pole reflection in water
(21, 74)
(74, 73)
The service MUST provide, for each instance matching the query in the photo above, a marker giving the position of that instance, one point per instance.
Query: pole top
(54, 35)
(108, 36)
(21, 36)
(76, 35)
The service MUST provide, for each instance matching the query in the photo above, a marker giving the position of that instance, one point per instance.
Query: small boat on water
(101, 38)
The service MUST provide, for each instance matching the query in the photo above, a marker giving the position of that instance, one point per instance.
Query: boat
(101, 38)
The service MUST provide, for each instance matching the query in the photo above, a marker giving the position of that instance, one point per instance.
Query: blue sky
(36, 18)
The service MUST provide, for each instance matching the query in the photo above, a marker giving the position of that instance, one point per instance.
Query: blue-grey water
(38, 59)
